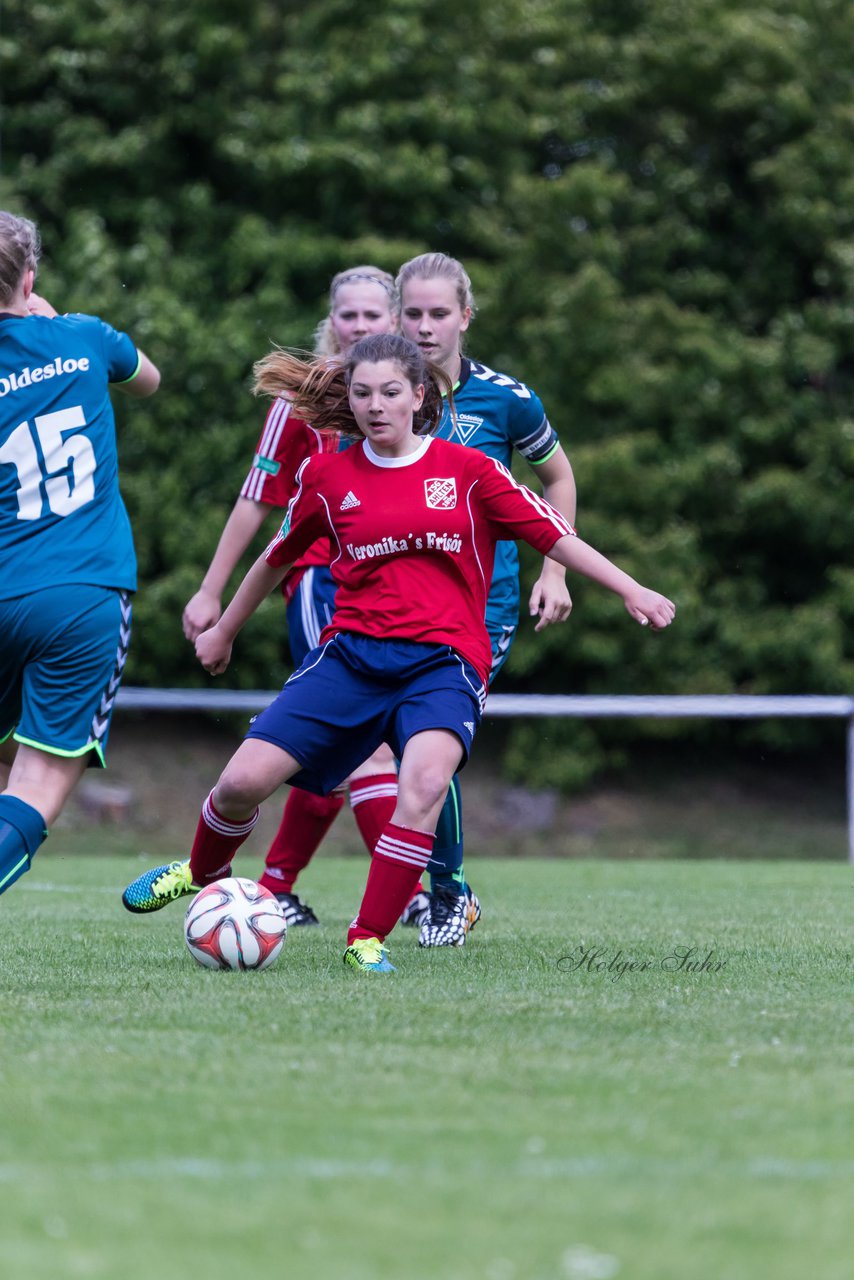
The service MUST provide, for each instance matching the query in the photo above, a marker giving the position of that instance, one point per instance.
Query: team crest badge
(441, 494)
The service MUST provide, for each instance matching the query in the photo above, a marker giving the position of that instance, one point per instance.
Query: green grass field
(491, 1113)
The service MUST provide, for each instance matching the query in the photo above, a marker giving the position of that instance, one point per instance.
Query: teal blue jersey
(497, 414)
(62, 519)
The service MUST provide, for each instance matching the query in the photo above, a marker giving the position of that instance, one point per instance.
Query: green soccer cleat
(368, 955)
(158, 887)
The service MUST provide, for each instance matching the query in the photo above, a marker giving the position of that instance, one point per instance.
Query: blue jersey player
(67, 563)
(496, 414)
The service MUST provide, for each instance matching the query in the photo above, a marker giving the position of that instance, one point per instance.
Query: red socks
(217, 840)
(307, 818)
(398, 860)
(305, 821)
(373, 800)
(396, 866)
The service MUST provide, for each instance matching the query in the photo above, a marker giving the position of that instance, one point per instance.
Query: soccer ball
(235, 924)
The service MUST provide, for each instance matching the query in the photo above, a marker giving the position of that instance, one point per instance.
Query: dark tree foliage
(655, 203)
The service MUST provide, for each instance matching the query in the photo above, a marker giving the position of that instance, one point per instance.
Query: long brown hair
(318, 389)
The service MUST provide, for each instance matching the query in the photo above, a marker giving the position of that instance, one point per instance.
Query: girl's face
(383, 401)
(432, 318)
(360, 309)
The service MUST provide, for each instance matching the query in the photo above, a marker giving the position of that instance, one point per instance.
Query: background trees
(655, 204)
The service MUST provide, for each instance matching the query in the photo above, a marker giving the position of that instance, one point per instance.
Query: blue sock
(446, 864)
(22, 830)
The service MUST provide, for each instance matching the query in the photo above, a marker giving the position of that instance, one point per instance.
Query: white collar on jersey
(406, 461)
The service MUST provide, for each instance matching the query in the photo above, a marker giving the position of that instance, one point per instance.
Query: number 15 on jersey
(55, 465)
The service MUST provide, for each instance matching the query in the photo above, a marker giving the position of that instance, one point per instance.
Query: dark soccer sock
(398, 860)
(217, 840)
(22, 830)
(305, 821)
(446, 864)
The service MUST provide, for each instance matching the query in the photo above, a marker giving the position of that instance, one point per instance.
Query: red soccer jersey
(283, 446)
(413, 539)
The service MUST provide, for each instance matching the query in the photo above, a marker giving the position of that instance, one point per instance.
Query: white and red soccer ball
(235, 924)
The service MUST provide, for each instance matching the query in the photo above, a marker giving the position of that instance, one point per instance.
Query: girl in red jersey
(361, 302)
(414, 522)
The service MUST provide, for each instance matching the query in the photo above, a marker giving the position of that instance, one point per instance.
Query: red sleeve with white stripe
(283, 446)
(514, 511)
(305, 522)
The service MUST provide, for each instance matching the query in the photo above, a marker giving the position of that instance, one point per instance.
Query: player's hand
(203, 611)
(39, 306)
(649, 608)
(213, 651)
(550, 599)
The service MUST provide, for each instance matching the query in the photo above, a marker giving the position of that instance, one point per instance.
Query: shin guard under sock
(373, 801)
(398, 861)
(217, 840)
(22, 830)
(446, 863)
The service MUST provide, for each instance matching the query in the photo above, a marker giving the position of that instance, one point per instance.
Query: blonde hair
(433, 266)
(20, 249)
(325, 339)
(318, 387)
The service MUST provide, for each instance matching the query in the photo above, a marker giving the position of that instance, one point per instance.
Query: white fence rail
(582, 706)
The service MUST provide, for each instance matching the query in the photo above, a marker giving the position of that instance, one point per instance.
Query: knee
(236, 793)
(427, 790)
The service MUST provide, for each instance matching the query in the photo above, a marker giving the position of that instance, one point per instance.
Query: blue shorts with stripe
(355, 692)
(309, 610)
(62, 654)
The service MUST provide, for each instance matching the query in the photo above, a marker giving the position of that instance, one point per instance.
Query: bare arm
(550, 598)
(203, 610)
(213, 647)
(645, 606)
(145, 381)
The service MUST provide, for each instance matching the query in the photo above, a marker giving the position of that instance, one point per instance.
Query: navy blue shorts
(356, 692)
(309, 611)
(62, 654)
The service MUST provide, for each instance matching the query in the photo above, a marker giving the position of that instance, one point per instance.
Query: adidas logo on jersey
(350, 501)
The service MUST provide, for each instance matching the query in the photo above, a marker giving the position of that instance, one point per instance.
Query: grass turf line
(489, 1113)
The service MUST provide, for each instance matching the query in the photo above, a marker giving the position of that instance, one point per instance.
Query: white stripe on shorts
(310, 622)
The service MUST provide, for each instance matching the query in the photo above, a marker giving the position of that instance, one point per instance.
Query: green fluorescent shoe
(154, 889)
(368, 955)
